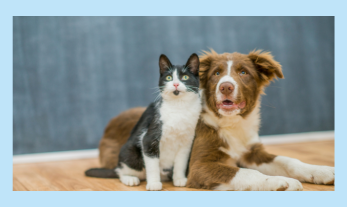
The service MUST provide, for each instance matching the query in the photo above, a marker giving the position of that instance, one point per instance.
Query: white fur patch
(234, 127)
(179, 118)
(227, 78)
(247, 179)
(294, 168)
(130, 180)
(152, 173)
(237, 131)
(141, 137)
(230, 63)
(231, 80)
(175, 77)
(129, 176)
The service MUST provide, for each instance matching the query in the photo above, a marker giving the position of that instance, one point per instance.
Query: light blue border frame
(170, 8)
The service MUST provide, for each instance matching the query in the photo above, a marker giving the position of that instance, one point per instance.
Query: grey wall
(73, 74)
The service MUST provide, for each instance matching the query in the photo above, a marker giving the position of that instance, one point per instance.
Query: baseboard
(93, 153)
(298, 137)
(56, 156)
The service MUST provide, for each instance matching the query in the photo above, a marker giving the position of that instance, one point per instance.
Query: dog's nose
(226, 88)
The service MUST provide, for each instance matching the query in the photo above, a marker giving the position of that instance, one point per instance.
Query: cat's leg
(257, 158)
(130, 168)
(150, 145)
(152, 173)
(180, 165)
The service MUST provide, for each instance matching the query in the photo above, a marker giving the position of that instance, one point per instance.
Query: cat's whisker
(191, 86)
(158, 97)
(158, 87)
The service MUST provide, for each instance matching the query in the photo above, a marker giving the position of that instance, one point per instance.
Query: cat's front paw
(130, 180)
(180, 182)
(154, 186)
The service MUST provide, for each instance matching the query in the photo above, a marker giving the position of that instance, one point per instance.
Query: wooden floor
(69, 175)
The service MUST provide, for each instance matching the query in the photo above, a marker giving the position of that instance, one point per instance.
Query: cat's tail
(101, 173)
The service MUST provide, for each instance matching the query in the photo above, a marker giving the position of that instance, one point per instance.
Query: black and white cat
(159, 146)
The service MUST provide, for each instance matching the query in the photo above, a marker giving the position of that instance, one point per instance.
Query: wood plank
(69, 175)
(18, 186)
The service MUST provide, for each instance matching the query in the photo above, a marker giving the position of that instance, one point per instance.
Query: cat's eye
(185, 77)
(243, 73)
(217, 73)
(169, 77)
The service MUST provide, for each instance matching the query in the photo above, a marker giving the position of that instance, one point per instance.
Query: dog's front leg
(258, 159)
(218, 176)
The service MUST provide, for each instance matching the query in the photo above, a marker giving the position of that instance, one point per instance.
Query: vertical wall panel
(73, 74)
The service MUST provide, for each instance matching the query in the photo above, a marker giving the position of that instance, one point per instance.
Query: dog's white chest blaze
(179, 120)
(238, 132)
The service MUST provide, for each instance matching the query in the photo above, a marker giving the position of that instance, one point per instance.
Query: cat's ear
(193, 64)
(164, 63)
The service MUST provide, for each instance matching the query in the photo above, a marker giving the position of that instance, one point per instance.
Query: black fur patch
(101, 173)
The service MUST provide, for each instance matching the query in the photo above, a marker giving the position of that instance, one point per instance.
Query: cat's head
(177, 81)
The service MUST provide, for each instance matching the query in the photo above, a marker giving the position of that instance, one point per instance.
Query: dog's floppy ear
(193, 64)
(205, 65)
(267, 67)
(164, 64)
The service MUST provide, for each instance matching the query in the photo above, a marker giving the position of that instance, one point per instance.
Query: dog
(227, 153)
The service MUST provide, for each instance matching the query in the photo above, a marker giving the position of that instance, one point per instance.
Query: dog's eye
(217, 73)
(185, 77)
(243, 72)
(169, 77)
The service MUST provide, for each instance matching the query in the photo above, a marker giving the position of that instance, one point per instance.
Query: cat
(159, 145)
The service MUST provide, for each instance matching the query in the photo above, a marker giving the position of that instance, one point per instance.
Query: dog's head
(232, 82)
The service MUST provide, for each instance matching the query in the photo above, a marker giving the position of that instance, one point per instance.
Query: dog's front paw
(323, 175)
(279, 183)
(310, 173)
(180, 182)
(154, 186)
(294, 185)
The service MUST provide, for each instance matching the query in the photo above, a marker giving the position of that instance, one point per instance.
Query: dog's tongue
(227, 102)
(229, 105)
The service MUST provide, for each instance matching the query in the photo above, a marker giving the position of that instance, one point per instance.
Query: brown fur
(259, 66)
(208, 165)
(257, 155)
(116, 135)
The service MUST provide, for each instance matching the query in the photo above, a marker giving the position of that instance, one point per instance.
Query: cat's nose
(176, 85)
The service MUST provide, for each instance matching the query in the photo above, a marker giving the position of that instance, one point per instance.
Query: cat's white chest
(179, 118)
(178, 129)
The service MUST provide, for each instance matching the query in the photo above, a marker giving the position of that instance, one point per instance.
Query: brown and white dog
(227, 132)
